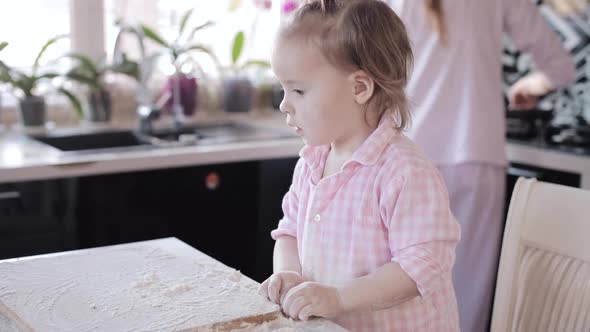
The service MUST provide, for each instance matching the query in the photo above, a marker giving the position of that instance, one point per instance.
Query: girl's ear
(363, 86)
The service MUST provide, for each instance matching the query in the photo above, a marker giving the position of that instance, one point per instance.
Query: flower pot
(187, 86)
(238, 94)
(32, 111)
(99, 106)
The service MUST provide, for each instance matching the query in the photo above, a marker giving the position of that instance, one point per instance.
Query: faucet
(146, 111)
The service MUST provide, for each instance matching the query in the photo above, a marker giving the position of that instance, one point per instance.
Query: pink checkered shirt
(389, 203)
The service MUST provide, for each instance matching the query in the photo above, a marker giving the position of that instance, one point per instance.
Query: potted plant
(32, 106)
(237, 88)
(180, 90)
(91, 73)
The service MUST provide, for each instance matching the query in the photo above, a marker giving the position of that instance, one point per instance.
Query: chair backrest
(544, 273)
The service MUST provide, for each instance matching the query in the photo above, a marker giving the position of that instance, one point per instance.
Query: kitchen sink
(126, 140)
(220, 133)
(94, 141)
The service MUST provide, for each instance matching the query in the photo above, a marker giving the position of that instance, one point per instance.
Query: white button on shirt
(393, 206)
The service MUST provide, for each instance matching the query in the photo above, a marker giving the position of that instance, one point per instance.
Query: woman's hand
(275, 288)
(524, 93)
(312, 299)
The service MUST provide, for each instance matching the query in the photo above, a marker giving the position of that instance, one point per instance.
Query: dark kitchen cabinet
(37, 217)
(212, 208)
(226, 211)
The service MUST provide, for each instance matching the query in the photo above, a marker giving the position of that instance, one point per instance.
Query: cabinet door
(122, 208)
(213, 208)
(216, 211)
(36, 217)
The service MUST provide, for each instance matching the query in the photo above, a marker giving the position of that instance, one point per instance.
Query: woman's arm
(532, 34)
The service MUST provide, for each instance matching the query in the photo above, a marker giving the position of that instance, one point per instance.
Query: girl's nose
(284, 106)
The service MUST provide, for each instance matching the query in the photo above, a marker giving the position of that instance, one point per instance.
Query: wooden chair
(544, 273)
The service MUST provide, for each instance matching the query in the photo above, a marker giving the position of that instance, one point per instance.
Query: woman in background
(458, 118)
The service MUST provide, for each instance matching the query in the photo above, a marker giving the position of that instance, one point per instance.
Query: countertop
(540, 154)
(23, 159)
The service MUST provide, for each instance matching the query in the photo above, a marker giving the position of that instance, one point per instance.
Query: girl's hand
(524, 93)
(312, 299)
(275, 288)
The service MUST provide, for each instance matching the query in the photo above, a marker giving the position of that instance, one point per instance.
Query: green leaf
(237, 47)
(5, 74)
(82, 77)
(74, 101)
(185, 18)
(26, 84)
(6, 77)
(48, 75)
(204, 49)
(256, 63)
(151, 34)
(175, 52)
(129, 68)
(3, 45)
(197, 47)
(43, 49)
(17, 75)
(86, 62)
(200, 27)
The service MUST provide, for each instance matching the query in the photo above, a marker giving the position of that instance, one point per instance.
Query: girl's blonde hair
(365, 35)
(435, 11)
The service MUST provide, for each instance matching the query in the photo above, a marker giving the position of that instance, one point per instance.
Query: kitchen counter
(23, 159)
(568, 159)
(158, 285)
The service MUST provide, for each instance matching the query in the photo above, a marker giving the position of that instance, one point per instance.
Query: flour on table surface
(138, 287)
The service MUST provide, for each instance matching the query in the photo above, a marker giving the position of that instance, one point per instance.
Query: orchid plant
(183, 44)
(179, 94)
(240, 37)
(27, 83)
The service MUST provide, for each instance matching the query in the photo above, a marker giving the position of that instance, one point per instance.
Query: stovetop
(535, 128)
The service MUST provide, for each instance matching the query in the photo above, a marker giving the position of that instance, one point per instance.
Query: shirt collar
(367, 153)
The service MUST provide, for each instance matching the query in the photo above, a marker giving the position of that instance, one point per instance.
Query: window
(27, 24)
(165, 15)
(90, 24)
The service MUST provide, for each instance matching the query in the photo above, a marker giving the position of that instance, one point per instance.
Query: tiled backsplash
(574, 31)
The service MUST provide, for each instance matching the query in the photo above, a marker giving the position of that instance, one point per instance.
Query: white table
(159, 285)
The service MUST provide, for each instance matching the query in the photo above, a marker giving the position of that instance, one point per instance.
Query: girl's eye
(299, 92)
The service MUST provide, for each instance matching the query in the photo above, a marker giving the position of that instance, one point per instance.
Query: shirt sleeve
(288, 224)
(530, 32)
(423, 233)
